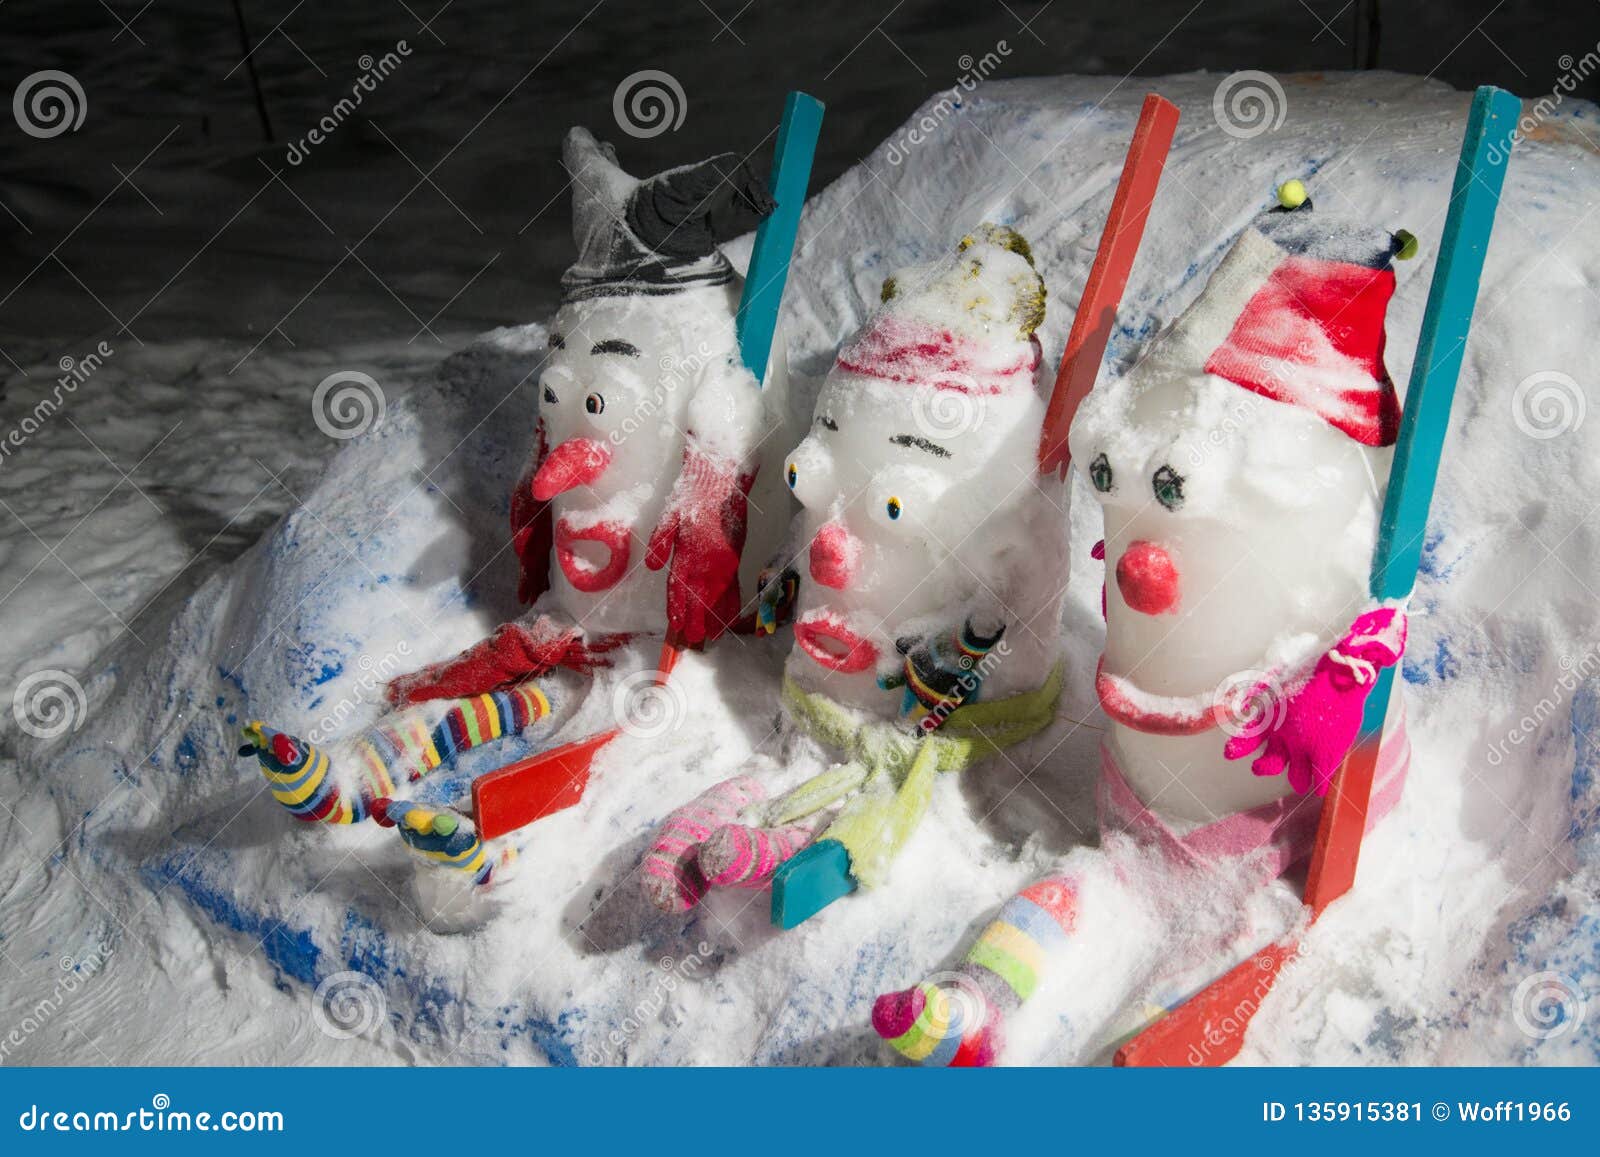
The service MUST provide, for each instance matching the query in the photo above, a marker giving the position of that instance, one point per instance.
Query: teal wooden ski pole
(757, 318)
(1474, 197)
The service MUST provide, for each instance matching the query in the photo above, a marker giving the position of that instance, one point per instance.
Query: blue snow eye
(893, 507)
(1168, 487)
(794, 476)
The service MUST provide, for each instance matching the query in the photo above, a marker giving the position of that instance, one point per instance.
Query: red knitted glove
(513, 654)
(701, 533)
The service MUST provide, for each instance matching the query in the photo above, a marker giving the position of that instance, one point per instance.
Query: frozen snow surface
(144, 863)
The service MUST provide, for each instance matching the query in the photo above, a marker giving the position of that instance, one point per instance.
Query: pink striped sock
(671, 872)
(736, 856)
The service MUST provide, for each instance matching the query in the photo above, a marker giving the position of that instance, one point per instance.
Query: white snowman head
(1240, 466)
(920, 456)
(648, 310)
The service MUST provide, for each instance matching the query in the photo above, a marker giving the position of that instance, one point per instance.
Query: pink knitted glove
(701, 533)
(1316, 727)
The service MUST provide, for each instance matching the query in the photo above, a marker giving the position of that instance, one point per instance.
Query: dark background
(440, 204)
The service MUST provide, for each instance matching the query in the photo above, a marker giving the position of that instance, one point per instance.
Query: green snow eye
(595, 404)
(893, 507)
(793, 476)
(1100, 474)
(1168, 485)
(549, 396)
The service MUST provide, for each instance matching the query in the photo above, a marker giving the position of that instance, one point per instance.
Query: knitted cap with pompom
(1304, 298)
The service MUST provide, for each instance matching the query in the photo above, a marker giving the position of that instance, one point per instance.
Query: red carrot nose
(576, 462)
(1147, 579)
(835, 556)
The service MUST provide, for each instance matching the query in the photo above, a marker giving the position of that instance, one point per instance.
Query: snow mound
(398, 556)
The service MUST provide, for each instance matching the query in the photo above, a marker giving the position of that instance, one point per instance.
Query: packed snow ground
(198, 920)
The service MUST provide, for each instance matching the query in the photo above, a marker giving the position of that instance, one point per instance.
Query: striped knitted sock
(957, 1018)
(300, 777)
(736, 856)
(671, 872)
(439, 836)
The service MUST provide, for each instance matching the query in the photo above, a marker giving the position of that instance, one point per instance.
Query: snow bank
(397, 556)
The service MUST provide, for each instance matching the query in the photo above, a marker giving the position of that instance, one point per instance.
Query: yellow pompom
(1408, 244)
(1292, 193)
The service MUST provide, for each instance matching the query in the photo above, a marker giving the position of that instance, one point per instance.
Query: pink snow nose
(1147, 579)
(576, 462)
(835, 557)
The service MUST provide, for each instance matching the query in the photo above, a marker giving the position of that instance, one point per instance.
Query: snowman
(644, 455)
(1239, 466)
(925, 575)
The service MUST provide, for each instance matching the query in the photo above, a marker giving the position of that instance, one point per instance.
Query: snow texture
(207, 918)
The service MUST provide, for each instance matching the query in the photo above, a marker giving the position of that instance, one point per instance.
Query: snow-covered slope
(209, 898)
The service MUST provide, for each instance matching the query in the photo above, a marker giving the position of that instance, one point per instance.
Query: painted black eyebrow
(826, 422)
(615, 345)
(557, 342)
(921, 444)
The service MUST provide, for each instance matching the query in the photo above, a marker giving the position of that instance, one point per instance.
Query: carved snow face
(907, 490)
(1234, 526)
(613, 396)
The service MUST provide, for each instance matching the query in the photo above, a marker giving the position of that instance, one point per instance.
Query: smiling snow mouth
(584, 575)
(833, 645)
(1136, 708)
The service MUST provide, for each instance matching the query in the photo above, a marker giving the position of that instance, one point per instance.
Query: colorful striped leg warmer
(957, 1018)
(442, 837)
(671, 872)
(405, 748)
(736, 856)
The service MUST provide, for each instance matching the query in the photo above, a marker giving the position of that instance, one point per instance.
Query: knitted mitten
(440, 836)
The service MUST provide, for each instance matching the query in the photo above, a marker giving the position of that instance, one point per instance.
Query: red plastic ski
(1108, 277)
